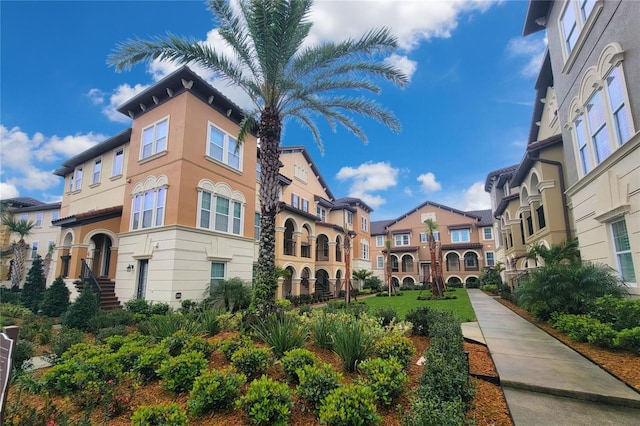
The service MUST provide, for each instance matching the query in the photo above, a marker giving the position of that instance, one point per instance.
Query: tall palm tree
(284, 79)
(361, 275)
(568, 250)
(23, 229)
(436, 279)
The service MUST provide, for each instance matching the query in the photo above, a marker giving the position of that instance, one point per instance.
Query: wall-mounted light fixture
(129, 268)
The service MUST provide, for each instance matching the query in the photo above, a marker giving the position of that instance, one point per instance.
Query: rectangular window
(364, 224)
(436, 235)
(34, 249)
(460, 236)
(365, 249)
(148, 209)
(321, 212)
(224, 148)
(217, 274)
(569, 28)
(380, 241)
(256, 226)
(39, 217)
(237, 217)
(623, 251)
(424, 238)
(305, 205)
(596, 115)
(487, 233)
(118, 161)
(380, 262)
(295, 201)
(55, 215)
(77, 179)
(541, 222)
(154, 138)
(97, 168)
(300, 172)
(615, 91)
(222, 214)
(586, 6)
(529, 225)
(581, 140)
(24, 217)
(205, 209)
(401, 239)
(490, 258)
(349, 218)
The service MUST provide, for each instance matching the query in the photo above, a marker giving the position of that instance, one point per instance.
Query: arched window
(289, 243)
(453, 262)
(322, 248)
(470, 261)
(407, 263)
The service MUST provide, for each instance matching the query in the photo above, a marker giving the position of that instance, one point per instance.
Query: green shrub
(577, 327)
(628, 339)
(215, 390)
(267, 402)
(231, 295)
(181, 341)
(6, 321)
(34, 286)
(179, 373)
(160, 415)
(82, 310)
(161, 326)
(322, 330)
(315, 383)
(354, 308)
(9, 296)
(602, 335)
(445, 378)
(129, 353)
(398, 347)
(56, 299)
(159, 309)
(137, 306)
(230, 321)
(209, 321)
(490, 288)
(104, 333)
(385, 377)
(387, 315)
(35, 328)
(434, 412)
(284, 305)
(115, 342)
(230, 345)
(619, 313)
(251, 361)
(281, 333)
(23, 351)
(116, 317)
(349, 405)
(295, 359)
(352, 344)
(63, 340)
(148, 363)
(421, 318)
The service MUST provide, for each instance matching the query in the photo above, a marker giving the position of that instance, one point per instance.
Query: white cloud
(532, 50)
(8, 190)
(403, 63)
(368, 178)
(408, 191)
(96, 96)
(429, 183)
(28, 161)
(475, 198)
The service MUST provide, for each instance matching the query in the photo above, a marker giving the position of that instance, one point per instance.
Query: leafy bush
(602, 335)
(116, 330)
(9, 296)
(230, 321)
(231, 295)
(159, 309)
(179, 373)
(23, 351)
(36, 328)
(316, 382)
(629, 339)
(433, 412)
(354, 308)
(322, 330)
(56, 299)
(577, 327)
(619, 313)
(571, 289)
(34, 286)
(398, 347)
(149, 362)
(352, 344)
(267, 402)
(421, 318)
(230, 345)
(82, 310)
(63, 340)
(490, 288)
(281, 333)
(209, 321)
(387, 315)
(296, 359)
(137, 306)
(385, 377)
(349, 405)
(181, 341)
(251, 361)
(105, 319)
(215, 390)
(160, 415)
(13, 311)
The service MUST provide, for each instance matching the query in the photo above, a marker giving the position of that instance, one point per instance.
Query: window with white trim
(256, 226)
(424, 237)
(364, 249)
(24, 217)
(489, 258)
(39, 217)
(34, 249)
(379, 262)
(97, 168)
(118, 161)
(305, 205)
(487, 233)
(349, 218)
(321, 212)
(622, 248)
(295, 200)
(77, 179)
(364, 224)
(154, 138)
(380, 241)
(218, 270)
(300, 172)
(401, 239)
(573, 20)
(223, 147)
(148, 209)
(222, 214)
(460, 236)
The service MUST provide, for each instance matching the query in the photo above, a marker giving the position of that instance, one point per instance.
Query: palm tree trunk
(19, 258)
(266, 282)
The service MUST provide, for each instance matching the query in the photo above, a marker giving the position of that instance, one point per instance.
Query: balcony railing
(289, 247)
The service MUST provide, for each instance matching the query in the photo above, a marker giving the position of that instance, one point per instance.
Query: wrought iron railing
(86, 276)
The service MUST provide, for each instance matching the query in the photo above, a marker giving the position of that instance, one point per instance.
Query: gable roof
(301, 149)
(38, 208)
(479, 217)
(500, 175)
(351, 202)
(486, 218)
(19, 202)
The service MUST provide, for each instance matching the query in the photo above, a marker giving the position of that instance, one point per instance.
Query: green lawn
(461, 307)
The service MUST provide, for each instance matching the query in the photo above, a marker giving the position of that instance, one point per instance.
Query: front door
(143, 268)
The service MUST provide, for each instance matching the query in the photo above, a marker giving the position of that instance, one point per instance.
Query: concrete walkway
(544, 381)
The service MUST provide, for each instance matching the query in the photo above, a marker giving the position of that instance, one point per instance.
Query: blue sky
(466, 111)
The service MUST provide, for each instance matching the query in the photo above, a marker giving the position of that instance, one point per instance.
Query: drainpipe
(562, 190)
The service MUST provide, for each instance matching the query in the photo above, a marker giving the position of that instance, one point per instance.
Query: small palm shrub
(352, 344)
(106, 319)
(209, 321)
(56, 299)
(161, 326)
(160, 415)
(148, 363)
(322, 330)
(315, 383)
(82, 310)
(251, 361)
(215, 390)
(398, 347)
(179, 373)
(385, 377)
(349, 405)
(281, 333)
(296, 359)
(230, 345)
(267, 402)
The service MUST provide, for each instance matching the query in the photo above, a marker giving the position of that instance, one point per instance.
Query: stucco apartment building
(594, 50)
(42, 236)
(465, 238)
(167, 208)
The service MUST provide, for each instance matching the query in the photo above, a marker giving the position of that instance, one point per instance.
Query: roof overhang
(88, 217)
(531, 155)
(536, 17)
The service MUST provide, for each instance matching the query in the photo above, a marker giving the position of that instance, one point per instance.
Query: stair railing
(86, 276)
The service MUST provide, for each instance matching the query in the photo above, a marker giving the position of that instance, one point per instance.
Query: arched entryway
(322, 282)
(287, 282)
(100, 251)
